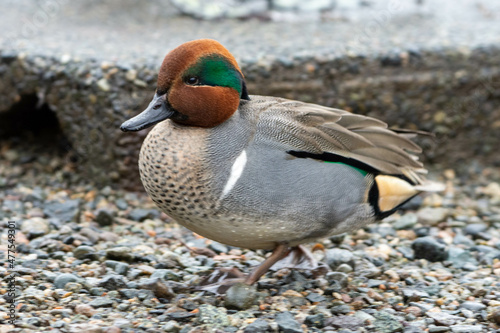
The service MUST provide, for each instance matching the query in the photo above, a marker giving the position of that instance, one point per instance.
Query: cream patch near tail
(393, 191)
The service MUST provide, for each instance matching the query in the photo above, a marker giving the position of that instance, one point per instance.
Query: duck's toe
(221, 279)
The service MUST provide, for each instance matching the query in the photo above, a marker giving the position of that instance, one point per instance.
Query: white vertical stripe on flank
(236, 171)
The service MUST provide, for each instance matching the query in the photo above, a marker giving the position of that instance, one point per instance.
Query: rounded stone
(35, 227)
(430, 249)
(62, 279)
(258, 326)
(337, 257)
(240, 296)
(84, 252)
(104, 217)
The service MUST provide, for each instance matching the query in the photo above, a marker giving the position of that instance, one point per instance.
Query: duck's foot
(222, 279)
(299, 257)
(282, 257)
(279, 252)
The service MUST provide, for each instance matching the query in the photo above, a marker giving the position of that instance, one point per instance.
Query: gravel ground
(104, 260)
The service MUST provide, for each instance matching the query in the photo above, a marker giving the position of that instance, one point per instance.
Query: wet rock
(240, 296)
(212, 316)
(62, 279)
(35, 227)
(430, 249)
(258, 326)
(287, 323)
(113, 282)
(387, 323)
(65, 211)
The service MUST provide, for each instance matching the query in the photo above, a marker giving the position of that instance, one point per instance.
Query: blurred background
(93, 254)
(71, 72)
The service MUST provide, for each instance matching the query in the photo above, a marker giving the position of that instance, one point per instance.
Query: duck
(261, 172)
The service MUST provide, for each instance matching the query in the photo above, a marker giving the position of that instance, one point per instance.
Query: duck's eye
(192, 80)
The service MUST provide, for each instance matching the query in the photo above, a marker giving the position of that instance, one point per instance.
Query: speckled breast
(173, 173)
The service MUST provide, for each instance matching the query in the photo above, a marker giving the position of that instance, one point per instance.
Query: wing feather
(317, 129)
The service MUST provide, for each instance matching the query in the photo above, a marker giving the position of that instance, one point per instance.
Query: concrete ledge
(95, 65)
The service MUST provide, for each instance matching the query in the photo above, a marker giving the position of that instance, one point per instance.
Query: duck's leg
(221, 279)
(278, 253)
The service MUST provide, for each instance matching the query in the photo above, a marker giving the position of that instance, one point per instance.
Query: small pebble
(387, 323)
(62, 279)
(85, 309)
(113, 282)
(101, 302)
(104, 217)
(213, 316)
(35, 227)
(257, 326)
(430, 249)
(432, 216)
(240, 296)
(287, 323)
(336, 257)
